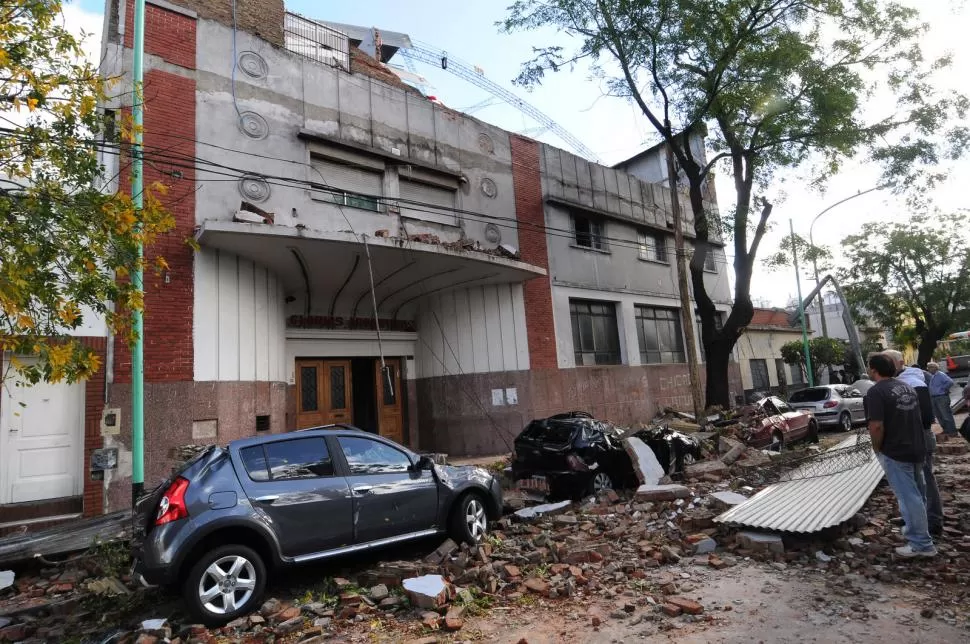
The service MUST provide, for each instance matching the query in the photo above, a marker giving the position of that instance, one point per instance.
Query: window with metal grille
(596, 339)
(759, 374)
(349, 185)
(659, 334)
(589, 232)
(653, 247)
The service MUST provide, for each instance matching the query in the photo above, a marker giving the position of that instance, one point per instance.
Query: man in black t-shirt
(896, 428)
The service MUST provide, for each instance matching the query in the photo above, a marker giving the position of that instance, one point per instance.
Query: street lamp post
(811, 242)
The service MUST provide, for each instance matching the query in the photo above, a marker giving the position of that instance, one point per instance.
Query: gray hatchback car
(839, 406)
(218, 526)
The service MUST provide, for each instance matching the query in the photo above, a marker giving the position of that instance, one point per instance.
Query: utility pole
(686, 310)
(801, 308)
(137, 277)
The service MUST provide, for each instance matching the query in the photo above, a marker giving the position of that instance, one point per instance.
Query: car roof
(322, 430)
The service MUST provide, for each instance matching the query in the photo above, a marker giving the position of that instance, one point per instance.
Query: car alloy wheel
(476, 519)
(845, 420)
(601, 483)
(227, 584)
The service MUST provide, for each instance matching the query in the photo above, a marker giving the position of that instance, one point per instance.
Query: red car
(781, 425)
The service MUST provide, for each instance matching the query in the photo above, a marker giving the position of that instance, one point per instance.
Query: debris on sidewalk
(541, 510)
(6, 579)
(427, 591)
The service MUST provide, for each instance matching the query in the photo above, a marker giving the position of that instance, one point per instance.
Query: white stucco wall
(764, 344)
(238, 326)
(477, 330)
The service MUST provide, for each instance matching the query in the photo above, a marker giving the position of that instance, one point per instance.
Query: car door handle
(363, 489)
(267, 499)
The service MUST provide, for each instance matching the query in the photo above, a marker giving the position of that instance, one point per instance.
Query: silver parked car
(832, 405)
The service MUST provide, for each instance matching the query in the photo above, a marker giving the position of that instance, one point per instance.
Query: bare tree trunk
(927, 345)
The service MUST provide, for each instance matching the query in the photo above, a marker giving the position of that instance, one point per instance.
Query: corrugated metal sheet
(809, 504)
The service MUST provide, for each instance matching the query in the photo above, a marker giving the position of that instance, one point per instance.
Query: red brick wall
(168, 34)
(263, 18)
(93, 406)
(169, 126)
(527, 183)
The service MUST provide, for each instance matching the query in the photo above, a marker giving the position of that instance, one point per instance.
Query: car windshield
(813, 394)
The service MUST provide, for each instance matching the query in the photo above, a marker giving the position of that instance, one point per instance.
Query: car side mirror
(424, 463)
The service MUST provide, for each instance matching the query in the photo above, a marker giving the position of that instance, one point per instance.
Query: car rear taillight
(830, 404)
(172, 506)
(576, 464)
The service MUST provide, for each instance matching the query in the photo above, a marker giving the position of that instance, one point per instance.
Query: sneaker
(897, 521)
(909, 552)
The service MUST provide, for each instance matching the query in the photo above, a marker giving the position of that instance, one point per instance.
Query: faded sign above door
(342, 323)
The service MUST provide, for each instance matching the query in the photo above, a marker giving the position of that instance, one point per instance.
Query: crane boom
(439, 58)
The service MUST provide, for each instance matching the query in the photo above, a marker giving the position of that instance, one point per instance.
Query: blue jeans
(928, 485)
(904, 479)
(941, 408)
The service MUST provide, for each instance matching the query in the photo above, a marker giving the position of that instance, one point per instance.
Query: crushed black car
(572, 455)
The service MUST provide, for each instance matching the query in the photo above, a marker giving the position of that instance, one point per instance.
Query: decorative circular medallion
(489, 189)
(486, 144)
(254, 188)
(253, 65)
(253, 125)
(493, 234)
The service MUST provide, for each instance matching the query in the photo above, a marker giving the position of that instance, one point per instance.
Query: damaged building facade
(512, 279)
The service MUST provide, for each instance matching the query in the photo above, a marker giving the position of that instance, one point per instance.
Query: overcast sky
(613, 128)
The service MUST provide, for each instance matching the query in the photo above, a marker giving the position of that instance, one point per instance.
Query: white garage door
(41, 440)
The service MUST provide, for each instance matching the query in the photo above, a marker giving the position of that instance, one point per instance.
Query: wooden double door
(327, 392)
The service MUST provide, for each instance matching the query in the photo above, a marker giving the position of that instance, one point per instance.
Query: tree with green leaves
(807, 254)
(774, 84)
(824, 352)
(66, 247)
(912, 277)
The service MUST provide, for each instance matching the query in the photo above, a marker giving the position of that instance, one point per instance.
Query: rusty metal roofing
(809, 504)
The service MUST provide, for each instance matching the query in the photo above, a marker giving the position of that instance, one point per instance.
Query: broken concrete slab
(727, 499)
(731, 449)
(428, 591)
(540, 510)
(705, 546)
(648, 469)
(706, 468)
(668, 492)
(761, 541)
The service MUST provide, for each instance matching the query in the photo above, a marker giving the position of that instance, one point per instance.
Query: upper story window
(653, 246)
(349, 185)
(589, 232)
(428, 201)
(710, 262)
(596, 339)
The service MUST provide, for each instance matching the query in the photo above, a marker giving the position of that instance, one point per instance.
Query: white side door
(41, 440)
